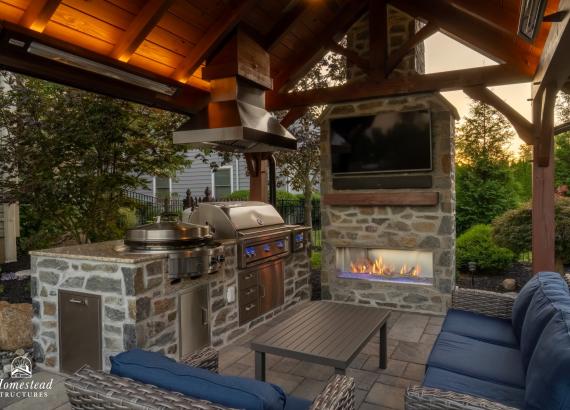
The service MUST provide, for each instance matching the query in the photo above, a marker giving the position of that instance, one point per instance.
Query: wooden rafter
(301, 63)
(293, 115)
(397, 56)
(38, 14)
(352, 56)
(544, 126)
(445, 81)
(378, 35)
(139, 28)
(289, 16)
(523, 126)
(212, 38)
(475, 33)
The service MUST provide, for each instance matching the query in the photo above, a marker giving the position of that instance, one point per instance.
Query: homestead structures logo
(20, 384)
(21, 368)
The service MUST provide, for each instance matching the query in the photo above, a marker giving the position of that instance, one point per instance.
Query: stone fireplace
(389, 236)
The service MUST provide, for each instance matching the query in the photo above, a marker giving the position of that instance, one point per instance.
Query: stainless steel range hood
(235, 120)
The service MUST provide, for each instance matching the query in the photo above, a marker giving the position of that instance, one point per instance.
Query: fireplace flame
(378, 267)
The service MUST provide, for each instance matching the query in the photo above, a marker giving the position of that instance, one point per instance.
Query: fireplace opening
(385, 265)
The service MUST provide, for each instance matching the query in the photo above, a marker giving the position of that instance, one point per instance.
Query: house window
(162, 187)
(222, 182)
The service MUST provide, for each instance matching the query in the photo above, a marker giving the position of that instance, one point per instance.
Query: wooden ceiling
(173, 39)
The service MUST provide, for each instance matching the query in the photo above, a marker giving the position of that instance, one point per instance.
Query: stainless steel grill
(260, 231)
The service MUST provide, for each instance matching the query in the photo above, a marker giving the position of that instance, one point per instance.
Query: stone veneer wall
(400, 28)
(139, 305)
(429, 228)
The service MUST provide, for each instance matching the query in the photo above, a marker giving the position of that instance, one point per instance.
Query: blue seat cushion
(161, 371)
(446, 380)
(551, 295)
(548, 375)
(480, 327)
(296, 403)
(523, 300)
(481, 360)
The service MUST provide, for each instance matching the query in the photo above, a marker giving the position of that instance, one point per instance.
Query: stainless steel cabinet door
(271, 286)
(193, 314)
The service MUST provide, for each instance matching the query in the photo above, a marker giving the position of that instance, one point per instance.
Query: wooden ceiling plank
(299, 64)
(38, 14)
(289, 16)
(523, 126)
(397, 56)
(139, 29)
(378, 37)
(212, 38)
(474, 33)
(445, 81)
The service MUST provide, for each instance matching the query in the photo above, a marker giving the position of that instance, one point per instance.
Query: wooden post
(258, 168)
(543, 227)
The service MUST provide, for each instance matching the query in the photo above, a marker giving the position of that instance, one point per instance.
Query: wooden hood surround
(172, 42)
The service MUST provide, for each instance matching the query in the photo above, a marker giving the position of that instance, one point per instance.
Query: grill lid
(168, 232)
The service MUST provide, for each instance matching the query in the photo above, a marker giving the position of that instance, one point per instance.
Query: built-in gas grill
(263, 241)
(260, 231)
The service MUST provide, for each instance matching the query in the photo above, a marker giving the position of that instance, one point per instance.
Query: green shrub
(513, 229)
(127, 218)
(316, 260)
(476, 245)
(243, 195)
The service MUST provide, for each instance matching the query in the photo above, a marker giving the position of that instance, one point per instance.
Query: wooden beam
(291, 13)
(38, 14)
(523, 126)
(140, 27)
(413, 84)
(378, 35)
(299, 64)
(562, 128)
(475, 33)
(212, 38)
(397, 56)
(293, 115)
(553, 68)
(351, 56)
(258, 167)
(544, 127)
(382, 198)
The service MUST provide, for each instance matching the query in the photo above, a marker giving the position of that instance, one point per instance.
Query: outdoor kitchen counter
(103, 252)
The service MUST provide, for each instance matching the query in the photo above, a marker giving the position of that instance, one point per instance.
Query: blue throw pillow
(523, 300)
(552, 295)
(548, 375)
(158, 370)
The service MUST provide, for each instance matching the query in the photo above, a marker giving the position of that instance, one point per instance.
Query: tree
(485, 184)
(69, 155)
(302, 167)
(562, 142)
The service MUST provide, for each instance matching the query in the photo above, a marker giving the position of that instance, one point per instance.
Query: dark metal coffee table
(327, 333)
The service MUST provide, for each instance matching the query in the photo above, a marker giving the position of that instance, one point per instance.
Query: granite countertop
(104, 252)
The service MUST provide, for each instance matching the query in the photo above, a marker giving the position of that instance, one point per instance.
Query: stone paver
(410, 339)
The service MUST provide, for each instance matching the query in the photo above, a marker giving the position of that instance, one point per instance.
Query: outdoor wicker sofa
(546, 384)
(92, 389)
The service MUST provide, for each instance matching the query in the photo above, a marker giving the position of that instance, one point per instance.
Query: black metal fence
(293, 211)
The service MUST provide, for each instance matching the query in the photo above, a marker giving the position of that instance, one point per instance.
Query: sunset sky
(445, 54)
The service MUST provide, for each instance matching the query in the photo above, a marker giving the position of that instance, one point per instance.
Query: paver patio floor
(410, 339)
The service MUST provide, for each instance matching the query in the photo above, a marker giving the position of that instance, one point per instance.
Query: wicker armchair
(91, 389)
(487, 303)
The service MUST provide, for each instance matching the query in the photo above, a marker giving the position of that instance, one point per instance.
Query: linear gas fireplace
(385, 265)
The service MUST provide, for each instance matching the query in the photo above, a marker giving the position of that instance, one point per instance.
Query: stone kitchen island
(136, 303)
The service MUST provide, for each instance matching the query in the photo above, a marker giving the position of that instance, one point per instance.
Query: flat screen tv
(386, 142)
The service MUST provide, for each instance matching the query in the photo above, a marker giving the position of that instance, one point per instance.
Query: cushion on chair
(548, 375)
(522, 302)
(446, 380)
(480, 327)
(551, 295)
(158, 370)
(474, 358)
(296, 403)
